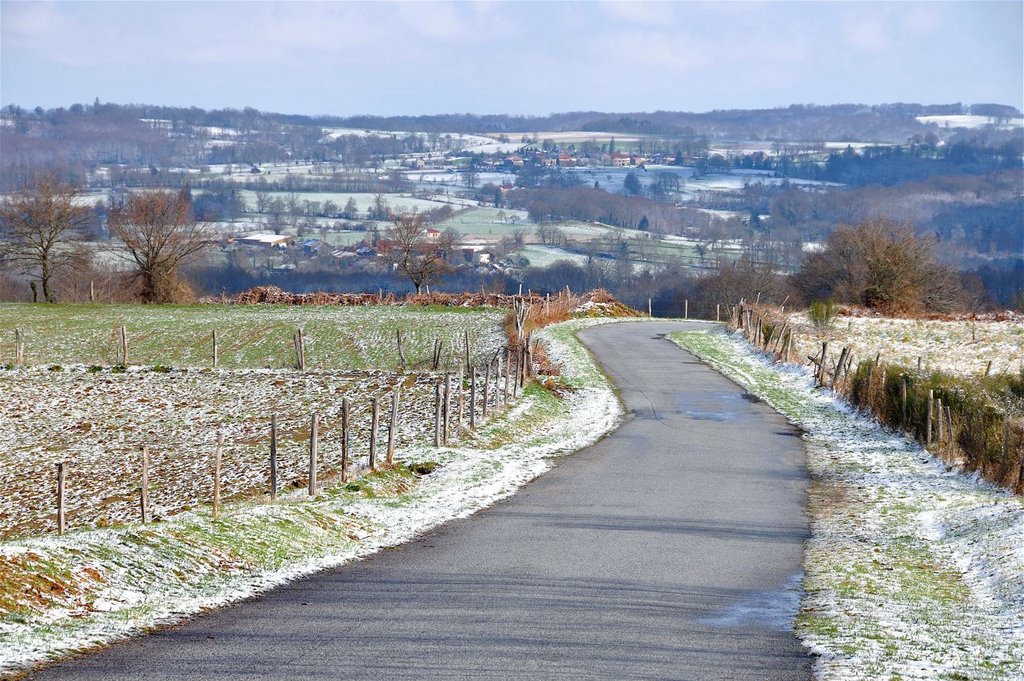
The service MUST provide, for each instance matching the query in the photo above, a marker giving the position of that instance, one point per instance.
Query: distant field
(364, 201)
(250, 336)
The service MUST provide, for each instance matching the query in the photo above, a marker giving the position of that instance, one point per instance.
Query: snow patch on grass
(913, 571)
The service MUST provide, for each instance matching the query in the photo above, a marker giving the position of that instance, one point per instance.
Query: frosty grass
(913, 571)
(97, 585)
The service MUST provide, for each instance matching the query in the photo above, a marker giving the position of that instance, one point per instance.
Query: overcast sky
(509, 57)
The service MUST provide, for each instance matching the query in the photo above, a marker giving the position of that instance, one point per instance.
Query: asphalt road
(669, 550)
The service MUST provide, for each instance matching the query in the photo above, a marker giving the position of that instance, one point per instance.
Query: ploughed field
(72, 402)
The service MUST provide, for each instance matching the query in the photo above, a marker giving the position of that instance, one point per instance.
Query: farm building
(268, 240)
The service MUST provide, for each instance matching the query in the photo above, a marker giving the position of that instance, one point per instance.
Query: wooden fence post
(144, 492)
(515, 375)
(938, 406)
(446, 409)
(299, 339)
(401, 355)
(60, 497)
(124, 346)
(273, 457)
(928, 418)
(903, 400)
(1006, 434)
(487, 388)
(718, 312)
(649, 308)
(462, 400)
(344, 439)
(19, 347)
(472, 399)
(218, 453)
(392, 427)
(314, 427)
(821, 367)
(950, 433)
(508, 366)
(215, 357)
(686, 308)
(437, 414)
(374, 424)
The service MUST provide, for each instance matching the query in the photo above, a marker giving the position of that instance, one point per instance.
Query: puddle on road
(775, 610)
(711, 415)
(710, 406)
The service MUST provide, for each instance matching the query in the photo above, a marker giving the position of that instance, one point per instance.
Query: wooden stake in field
(446, 409)
(437, 414)
(462, 401)
(515, 375)
(487, 388)
(401, 355)
(344, 439)
(938, 404)
(903, 399)
(686, 308)
(374, 425)
(19, 347)
(314, 427)
(928, 418)
(718, 312)
(472, 399)
(215, 357)
(299, 339)
(392, 427)
(124, 347)
(144, 492)
(951, 435)
(60, 497)
(1006, 434)
(649, 308)
(217, 454)
(866, 397)
(273, 457)
(988, 367)
(508, 366)
(821, 367)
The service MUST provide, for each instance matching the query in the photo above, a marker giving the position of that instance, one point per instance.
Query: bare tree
(879, 264)
(160, 236)
(36, 224)
(518, 236)
(416, 253)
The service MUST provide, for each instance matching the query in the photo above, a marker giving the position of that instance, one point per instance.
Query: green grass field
(249, 336)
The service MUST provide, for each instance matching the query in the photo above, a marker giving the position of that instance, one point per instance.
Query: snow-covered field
(96, 418)
(972, 121)
(913, 571)
(93, 586)
(959, 347)
(98, 422)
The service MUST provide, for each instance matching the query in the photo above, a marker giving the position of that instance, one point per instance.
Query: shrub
(822, 313)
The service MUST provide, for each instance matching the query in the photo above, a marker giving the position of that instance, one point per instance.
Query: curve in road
(671, 549)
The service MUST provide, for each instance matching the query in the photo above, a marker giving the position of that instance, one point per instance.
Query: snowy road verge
(913, 571)
(61, 594)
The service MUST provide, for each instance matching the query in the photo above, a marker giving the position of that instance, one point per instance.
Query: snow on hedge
(913, 571)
